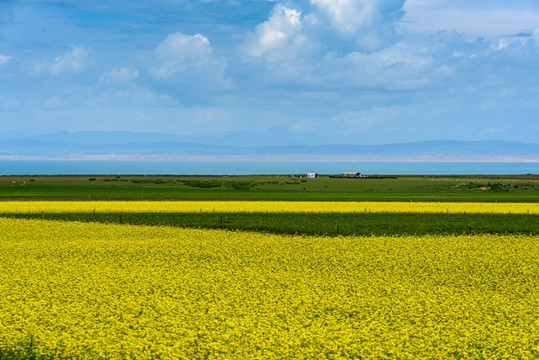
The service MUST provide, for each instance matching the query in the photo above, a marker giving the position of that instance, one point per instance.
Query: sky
(308, 71)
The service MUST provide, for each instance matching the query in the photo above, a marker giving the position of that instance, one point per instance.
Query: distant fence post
(43, 215)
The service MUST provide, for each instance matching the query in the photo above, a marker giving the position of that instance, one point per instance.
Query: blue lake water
(30, 167)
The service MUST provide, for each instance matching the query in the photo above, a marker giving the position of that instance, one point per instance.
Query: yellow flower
(265, 206)
(97, 291)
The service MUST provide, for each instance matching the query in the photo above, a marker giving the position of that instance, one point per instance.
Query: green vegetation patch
(205, 184)
(322, 223)
(516, 188)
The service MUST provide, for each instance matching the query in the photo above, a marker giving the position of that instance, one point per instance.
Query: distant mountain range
(128, 145)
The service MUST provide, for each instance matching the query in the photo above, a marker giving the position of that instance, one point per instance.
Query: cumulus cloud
(4, 59)
(328, 25)
(330, 44)
(182, 62)
(348, 16)
(369, 24)
(179, 51)
(280, 29)
(344, 44)
(392, 62)
(75, 60)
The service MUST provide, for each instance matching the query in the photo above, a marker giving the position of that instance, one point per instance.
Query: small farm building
(352, 174)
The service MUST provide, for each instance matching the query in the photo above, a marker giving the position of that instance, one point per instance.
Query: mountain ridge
(122, 144)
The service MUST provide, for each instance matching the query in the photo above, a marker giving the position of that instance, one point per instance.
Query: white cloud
(348, 15)
(280, 29)
(490, 20)
(368, 25)
(395, 69)
(182, 63)
(4, 59)
(401, 67)
(178, 52)
(75, 60)
(123, 75)
(340, 63)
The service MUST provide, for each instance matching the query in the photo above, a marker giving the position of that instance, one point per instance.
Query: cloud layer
(355, 71)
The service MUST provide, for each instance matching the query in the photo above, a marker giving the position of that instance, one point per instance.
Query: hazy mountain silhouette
(123, 143)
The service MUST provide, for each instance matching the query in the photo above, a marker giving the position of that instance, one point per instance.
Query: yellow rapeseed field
(96, 291)
(266, 206)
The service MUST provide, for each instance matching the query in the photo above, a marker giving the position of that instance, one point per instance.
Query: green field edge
(141, 195)
(452, 188)
(325, 224)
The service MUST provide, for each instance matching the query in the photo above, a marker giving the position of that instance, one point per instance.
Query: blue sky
(315, 71)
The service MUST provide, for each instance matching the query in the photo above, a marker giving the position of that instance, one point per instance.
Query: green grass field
(321, 223)
(517, 188)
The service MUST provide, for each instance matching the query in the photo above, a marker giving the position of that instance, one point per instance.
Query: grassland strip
(319, 223)
(515, 188)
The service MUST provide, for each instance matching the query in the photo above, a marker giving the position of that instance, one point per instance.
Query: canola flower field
(71, 290)
(266, 206)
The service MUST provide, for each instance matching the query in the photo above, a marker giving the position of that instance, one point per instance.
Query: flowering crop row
(266, 206)
(95, 291)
